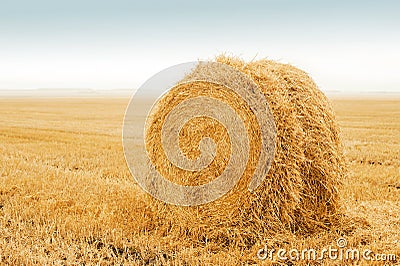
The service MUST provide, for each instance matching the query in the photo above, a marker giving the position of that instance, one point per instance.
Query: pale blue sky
(349, 46)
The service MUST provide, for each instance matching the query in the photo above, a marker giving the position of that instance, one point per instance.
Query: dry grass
(66, 196)
(300, 192)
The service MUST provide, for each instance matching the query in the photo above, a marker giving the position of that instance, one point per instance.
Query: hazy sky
(349, 46)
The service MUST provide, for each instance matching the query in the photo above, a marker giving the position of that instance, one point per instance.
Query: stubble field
(67, 197)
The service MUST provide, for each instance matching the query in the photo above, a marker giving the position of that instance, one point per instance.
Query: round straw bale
(300, 190)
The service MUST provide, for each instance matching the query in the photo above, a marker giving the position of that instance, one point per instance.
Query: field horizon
(128, 92)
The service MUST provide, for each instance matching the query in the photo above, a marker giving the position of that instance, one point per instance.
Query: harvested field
(66, 195)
